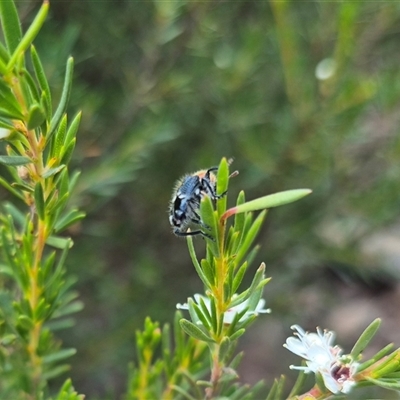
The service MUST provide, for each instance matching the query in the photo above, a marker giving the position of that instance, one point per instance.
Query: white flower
(322, 357)
(229, 314)
(339, 378)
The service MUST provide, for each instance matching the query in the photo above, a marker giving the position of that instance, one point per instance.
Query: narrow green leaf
(228, 377)
(224, 349)
(199, 270)
(222, 185)
(391, 385)
(16, 214)
(272, 200)
(62, 106)
(380, 354)
(47, 268)
(8, 248)
(166, 344)
(36, 116)
(45, 103)
(234, 364)
(4, 54)
(11, 25)
(200, 315)
(208, 218)
(67, 152)
(71, 308)
(232, 242)
(59, 242)
(6, 185)
(3, 67)
(238, 225)
(13, 137)
(240, 298)
(41, 311)
(237, 334)
(258, 279)
(365, 338)
(194, 331)
(202, 383)
(30, 34)
(7, 125)
(41, 78)
(275, 392)
(179, 336)
(208, 271)
(388, 365)
(239, 277)
(184, 393)
(14, 160)
(7, 112)
(233, 326)
(9, 103)
(228, 284)
(29, 88)
(249, 237)
(214, 319)
(73, 181)
(254, 298)
(39, 200)
(59, 324)
(58, 355)
(58, 272)
(73, 128)
(205, 309)
(23, 307)
(59, 138)
(56, 371)
(25, 322)
(69, 219)
(52, 171)
(67, 392)
(55, 203)
(246, 322)
(9, 339)
(252, 254)
(62, 182)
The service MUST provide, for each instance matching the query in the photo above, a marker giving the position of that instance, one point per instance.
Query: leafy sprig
(35, 292)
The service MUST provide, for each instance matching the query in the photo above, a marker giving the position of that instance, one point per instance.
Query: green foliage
(167, 87)
(178, 368)
(67, 392)
(365, 338)
(222, 316)
(35, 292)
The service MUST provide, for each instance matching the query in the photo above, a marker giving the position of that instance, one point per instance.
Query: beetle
(185, 203)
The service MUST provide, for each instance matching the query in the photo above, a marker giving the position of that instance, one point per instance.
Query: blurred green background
(301, 94)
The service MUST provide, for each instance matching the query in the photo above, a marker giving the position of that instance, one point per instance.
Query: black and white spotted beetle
(185, 202)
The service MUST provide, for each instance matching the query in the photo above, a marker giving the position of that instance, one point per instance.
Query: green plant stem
(34, 150)
(222, 266)
(34, 296)
(216, 373)
(219, 294)
(141, 392)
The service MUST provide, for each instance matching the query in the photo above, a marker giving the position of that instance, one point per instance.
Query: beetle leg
(193, 233)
